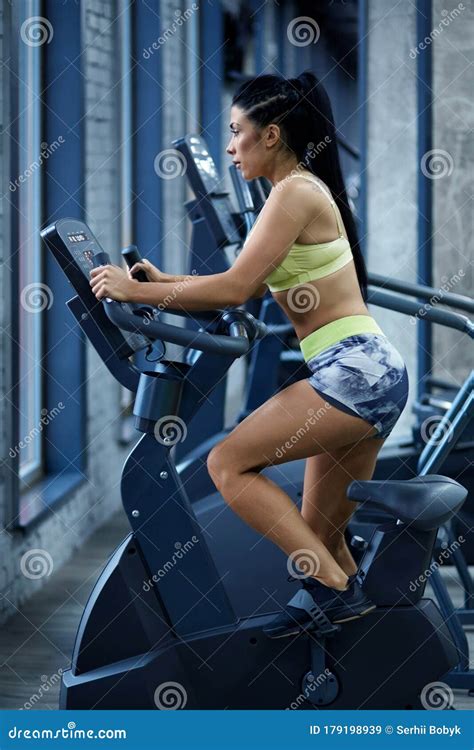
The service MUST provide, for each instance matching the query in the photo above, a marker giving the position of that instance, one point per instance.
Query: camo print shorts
(363, 375)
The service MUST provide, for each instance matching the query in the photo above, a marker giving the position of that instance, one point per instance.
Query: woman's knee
(220, 465)
(225, 462)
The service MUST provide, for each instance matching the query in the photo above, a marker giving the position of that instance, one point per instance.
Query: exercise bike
(173, 620)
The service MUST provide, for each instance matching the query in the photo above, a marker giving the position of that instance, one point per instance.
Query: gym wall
(453, 126)
(393, 168)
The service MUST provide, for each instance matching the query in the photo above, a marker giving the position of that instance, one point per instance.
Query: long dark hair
(301, 108)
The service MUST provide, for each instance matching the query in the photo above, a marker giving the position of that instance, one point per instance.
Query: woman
(304, 248)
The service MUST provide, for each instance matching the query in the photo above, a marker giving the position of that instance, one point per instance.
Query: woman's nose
(229, 148)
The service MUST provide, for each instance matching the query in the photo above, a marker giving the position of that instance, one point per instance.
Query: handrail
(459, 301)
(410, 307)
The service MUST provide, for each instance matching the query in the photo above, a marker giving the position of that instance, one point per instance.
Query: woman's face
(246, 146)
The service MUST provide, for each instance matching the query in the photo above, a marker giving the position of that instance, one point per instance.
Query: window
(127, 433)
(34, 297)
(126, 124)
(48, 406)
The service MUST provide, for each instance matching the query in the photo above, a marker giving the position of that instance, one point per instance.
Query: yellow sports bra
(309, 262)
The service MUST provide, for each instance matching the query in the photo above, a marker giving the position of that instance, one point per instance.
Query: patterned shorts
(363, 375)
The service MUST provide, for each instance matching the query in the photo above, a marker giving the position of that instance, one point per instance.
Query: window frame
(30, 197)
(63, 364)
(127, 434)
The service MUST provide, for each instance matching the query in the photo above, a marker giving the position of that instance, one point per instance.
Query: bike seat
(424, 502)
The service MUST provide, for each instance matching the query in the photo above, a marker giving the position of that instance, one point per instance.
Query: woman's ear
(272, 135)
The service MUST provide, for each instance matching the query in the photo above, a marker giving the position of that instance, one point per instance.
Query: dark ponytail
(301, 108)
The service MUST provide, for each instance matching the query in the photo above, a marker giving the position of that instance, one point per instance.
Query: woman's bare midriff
(335, 296)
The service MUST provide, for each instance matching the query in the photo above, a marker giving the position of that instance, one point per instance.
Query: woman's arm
(192, 293)
(287, 211)
(260, 292)
(174, 279)
(153, 273)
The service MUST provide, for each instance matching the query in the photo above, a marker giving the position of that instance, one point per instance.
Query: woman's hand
(152, 272)
(113, 282)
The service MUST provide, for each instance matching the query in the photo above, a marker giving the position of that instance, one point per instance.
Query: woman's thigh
(295, 423)
(327, 476)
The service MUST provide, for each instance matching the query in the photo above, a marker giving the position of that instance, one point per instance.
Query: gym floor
(38, 640)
